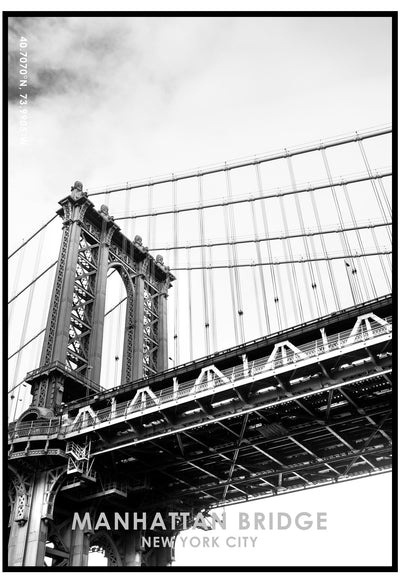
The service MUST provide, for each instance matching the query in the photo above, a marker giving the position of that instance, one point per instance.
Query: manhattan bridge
(199, 339)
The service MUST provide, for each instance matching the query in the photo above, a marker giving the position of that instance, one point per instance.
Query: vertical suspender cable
(343, 236)
(150, 218)
(328, 263)
(360, 241)
(385, 196)
(232, 228)
(189, 276)
(381, 207)
(389, 262)
(319, 277)
(269, 250)
(381, 259)
(281, 294)
(305, 240)
(372, 181)
(232, 284)
(261, 275)
(109, 377)
(389, 211)
(118, 347)
(349, 278)
(212, 304)
(257, 295)
(231, 275)
(176, 285)
(293, 284)
(204, 270)
(292, 281)
(131, 231)
(111, 367)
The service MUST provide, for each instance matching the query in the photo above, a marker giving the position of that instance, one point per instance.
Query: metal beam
(236, 454)
(371, 437)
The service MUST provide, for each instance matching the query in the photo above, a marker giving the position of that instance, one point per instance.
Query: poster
(200, 279)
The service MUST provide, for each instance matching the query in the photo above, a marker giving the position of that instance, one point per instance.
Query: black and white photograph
(199, 269)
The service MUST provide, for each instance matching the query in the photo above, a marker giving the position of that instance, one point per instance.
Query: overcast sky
(117, 99)
(112, 100)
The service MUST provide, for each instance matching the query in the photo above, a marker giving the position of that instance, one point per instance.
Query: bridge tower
(70, 368)
(298, 408)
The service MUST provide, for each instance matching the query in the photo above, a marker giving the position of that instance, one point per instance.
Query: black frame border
(233, 14)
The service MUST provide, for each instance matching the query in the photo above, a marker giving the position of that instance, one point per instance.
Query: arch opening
(114, 330)
(103, 552)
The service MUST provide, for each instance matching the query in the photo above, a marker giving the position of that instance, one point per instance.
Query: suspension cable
(282, 295)
(319, 277)
(212, 305)
(16, 283)
(360, 240)
(24, 243)
(211, 266)
(176, 288)
(49, 290)
(385, 196)
(260, 273)
(306, 247)
(269, 247)
(276, 193)
(257, 296)
(375, 189)
(32, 282)
(190, 316)
(14, 388)
(27, 317)
(232, 230)
(204, 272)
(44, 329)
(322, 239)
(149, 221)
(343, 235)
(379, 253)
(285, 261)
(298, 310)
(290, 267)
(275, 236)
(231, 280)
(254, 160)
(27, 343)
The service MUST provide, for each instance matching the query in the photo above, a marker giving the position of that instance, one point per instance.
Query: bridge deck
(304, 418)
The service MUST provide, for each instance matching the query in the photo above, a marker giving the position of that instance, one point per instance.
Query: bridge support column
(138, 341)
(133, 554)
(16, 544)
(79, 547)
(160, 557)
(37, 528)
(162, 333)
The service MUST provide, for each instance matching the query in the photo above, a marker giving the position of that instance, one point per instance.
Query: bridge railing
(194, 388)
(230, 375)
(50, 426)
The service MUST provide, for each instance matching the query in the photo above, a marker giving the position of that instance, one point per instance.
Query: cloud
(65, 54)
(115, 98)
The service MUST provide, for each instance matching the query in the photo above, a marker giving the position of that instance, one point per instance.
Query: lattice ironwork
(104, 544)
(82, 304)
(21, 484)
(150, 330)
